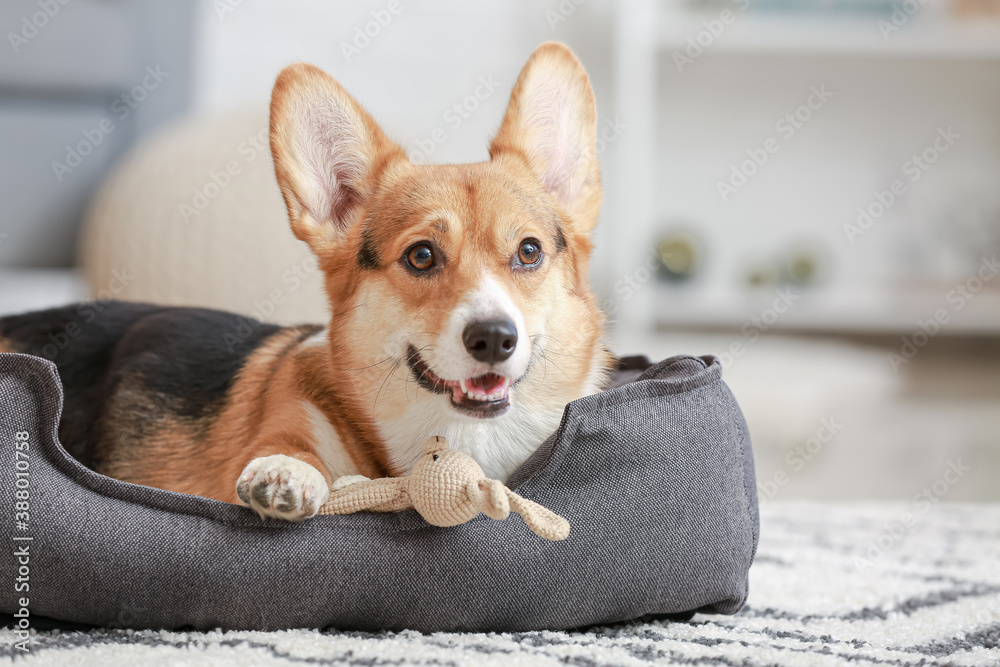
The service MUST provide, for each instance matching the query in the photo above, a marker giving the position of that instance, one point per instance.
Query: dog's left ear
(326, 150)
(552, 122)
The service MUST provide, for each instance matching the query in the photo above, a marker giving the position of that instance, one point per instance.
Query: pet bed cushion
(655, 477)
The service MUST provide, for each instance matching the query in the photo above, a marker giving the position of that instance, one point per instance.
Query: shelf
(770, 34)
(875, 313)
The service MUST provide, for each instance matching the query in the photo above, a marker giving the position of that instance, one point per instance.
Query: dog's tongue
(486, 384)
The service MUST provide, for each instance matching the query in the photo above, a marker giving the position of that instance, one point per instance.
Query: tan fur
(356, 379)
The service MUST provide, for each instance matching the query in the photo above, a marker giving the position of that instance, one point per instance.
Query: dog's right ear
(551, 122)
(326, 151)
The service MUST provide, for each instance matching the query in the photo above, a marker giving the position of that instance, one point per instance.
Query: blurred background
(809, 189)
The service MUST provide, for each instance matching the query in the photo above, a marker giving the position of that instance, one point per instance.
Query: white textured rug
(865, 584)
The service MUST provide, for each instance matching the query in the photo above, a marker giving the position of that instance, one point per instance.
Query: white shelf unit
(648, 32)
(793, 35)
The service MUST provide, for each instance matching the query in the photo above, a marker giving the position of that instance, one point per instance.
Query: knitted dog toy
(447, 488)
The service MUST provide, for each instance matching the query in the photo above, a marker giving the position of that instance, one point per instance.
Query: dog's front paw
(282, 487)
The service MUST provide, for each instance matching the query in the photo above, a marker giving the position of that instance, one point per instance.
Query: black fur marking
(560, 239)
(243, 491)
(368, 256)
(259, 493)
(286, 501)
(191, 355)
(80, 340)
(188, 357)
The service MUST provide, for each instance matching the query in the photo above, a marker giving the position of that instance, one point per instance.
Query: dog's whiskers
(423, 374)
(354, 307)
(545, 357)
(377, 363)
(388, 375)
(552, 338)
(536, 352)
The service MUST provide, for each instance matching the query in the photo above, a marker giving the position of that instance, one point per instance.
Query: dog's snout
(491, 341)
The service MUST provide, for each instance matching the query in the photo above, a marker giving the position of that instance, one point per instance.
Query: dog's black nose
(492, 341)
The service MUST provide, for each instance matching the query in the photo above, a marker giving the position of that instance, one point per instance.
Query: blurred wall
(80, 82)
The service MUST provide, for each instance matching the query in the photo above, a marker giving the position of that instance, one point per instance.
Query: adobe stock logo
(632, 282)
(217, 181)
(363, 35)
(566, 9)
(901, 15)
(786, 126)
(454, 116)
(86, 312)
(293, 278)
(922, 503)
(713, 29)
(756, 326)
(957, 298)
(223, 7)
(914, 169)
(798, 456)
(122, 106)
(30, 25)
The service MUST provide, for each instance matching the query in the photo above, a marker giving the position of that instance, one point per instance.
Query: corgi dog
(459, 307)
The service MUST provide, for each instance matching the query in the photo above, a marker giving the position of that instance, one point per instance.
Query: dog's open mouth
(486, 395)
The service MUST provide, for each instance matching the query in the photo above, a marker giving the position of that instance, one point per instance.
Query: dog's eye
(529, 253)
(420, 257)
(436, 457)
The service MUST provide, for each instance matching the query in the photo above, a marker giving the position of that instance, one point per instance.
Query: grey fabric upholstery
(655, 477)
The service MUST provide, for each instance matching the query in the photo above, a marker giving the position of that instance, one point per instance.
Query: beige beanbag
(194, 217)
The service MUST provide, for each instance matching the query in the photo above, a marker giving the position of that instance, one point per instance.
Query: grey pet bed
(655, 477)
